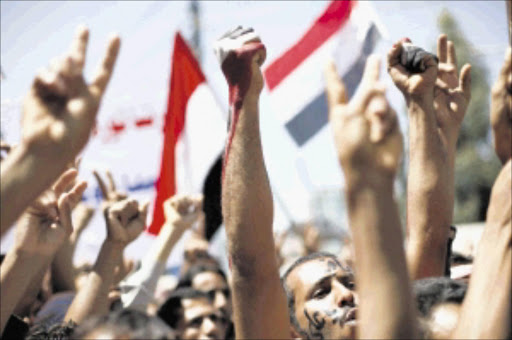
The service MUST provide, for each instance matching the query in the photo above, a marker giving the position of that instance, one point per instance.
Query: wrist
(416, 104)
(31, 167)
(114, 246)
(356, 180)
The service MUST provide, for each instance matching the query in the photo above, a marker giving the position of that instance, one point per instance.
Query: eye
(348, 282)
(321, 292)
(196, 322)
(226, 292)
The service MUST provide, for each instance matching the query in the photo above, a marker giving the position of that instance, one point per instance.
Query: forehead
(208, 281)
(192, 308)
(307, 274)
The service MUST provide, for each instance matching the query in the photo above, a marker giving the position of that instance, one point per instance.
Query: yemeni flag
(194, 132)
(346, 32)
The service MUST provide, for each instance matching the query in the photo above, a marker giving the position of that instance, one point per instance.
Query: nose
(210, 328)
(344, 296)
(221, 301)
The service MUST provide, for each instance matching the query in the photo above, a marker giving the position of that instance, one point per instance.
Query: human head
(438, 300)
(57, 331)
(212, 280)
(321, 299)
(192, 314)
(124, 324)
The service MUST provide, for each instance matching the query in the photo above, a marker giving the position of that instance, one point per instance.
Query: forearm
(16, 274)
(380, 258)
(142, 283)
(247, 199)
(34, 287)
(24, 172)
(430, 194)
(492, 272)
(165, 242)
(259, 309)
(92, 299)
(63, 270)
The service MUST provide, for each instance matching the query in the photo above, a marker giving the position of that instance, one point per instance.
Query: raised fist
(125, 221)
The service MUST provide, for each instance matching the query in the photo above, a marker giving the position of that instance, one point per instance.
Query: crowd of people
(383, 285)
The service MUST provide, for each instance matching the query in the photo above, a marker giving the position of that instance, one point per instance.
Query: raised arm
(259, 302)
(369, 147)
(181, 212)
(58, 115)
(437, 100)
(64, 273)
(39, 233)
(501, 110)
(125, 221)
(484, 317)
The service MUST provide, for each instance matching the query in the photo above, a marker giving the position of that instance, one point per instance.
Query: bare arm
(64, 272)
(39, 233)
(501, 110)
(125, 221)
(260, 309)
(483, 317)
(181, 211)
(437, 103)
(58, 115)
(369, 146)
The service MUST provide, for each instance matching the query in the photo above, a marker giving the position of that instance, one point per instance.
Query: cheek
(190, 333)
(327, 309)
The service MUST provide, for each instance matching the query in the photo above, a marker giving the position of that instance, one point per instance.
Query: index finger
(442, 48)
(452, 56)
(335, 89)
(372, 69)
(106, 68)
(64, 181)
(111, 183)
(101, 184)
(507, 65)
(79, 46)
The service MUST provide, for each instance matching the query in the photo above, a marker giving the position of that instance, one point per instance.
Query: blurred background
(306, 182)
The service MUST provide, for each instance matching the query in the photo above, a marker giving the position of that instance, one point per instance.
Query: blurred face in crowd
(325, 300)
(201, 320)
(214, 284)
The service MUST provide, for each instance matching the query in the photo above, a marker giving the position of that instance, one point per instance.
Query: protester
(383, 284)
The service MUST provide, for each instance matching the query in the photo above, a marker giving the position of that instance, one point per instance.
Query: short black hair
(459, 258)
(136, 324)
(187, 278)
(432, 291)
(171, 311)
(289, 294)
(59, 331)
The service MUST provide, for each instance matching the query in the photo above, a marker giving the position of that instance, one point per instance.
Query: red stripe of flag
(331, 20)
(186, 75)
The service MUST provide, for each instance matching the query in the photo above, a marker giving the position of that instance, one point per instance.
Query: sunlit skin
(443, 320)
(325, 299)
(201, 320)
(215, 283)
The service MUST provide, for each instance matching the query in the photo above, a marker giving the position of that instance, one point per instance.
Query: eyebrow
(321, 282)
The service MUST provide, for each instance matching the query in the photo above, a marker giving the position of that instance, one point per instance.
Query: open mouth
(350, 317)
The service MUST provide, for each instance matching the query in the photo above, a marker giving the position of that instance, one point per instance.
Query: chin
(347, 331)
